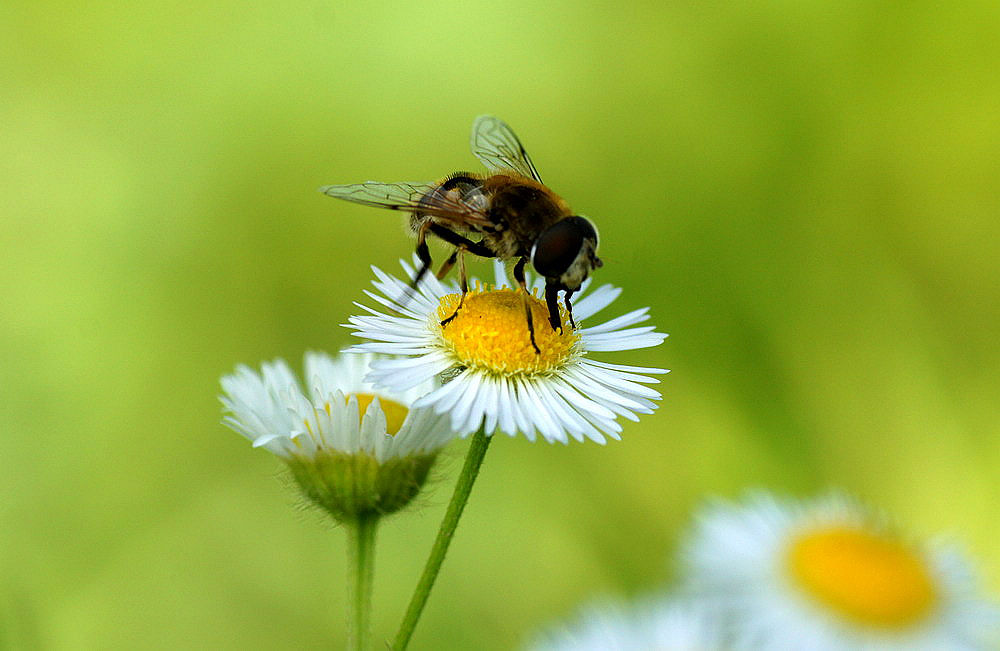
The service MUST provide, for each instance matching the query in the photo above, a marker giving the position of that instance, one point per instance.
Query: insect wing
(423, 198)
(497, 147)
(394, 196)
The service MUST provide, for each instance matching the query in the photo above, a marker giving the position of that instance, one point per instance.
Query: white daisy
(666, 625)
(829, 575)
(498, 380)
(339, 430)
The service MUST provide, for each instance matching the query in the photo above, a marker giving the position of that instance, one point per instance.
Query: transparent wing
(424, 198)
(394, 196)
(494, 143)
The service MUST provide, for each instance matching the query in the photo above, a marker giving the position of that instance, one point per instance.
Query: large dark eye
(559, 245)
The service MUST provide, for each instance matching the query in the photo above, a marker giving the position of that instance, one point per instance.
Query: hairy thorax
(520, 209)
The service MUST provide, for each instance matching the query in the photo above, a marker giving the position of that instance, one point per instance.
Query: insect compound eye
(560, 244)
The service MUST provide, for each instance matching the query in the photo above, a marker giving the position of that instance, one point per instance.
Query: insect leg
(463, 280)
(462, 245)
(526, 299)
(451, 237)
(552, 301)
(423, 254)
(569, 307)
(446, 267)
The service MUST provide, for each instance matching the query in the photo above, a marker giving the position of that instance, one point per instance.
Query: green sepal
(349, 486)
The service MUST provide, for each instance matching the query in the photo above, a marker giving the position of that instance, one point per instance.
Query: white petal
(636, 316)
(628, 369)
(596, 301)
(505, 412)
(463, 418)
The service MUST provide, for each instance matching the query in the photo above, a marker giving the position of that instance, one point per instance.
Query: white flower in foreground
(499, 382)
(662, 626)
(828, 575)
(352, 449)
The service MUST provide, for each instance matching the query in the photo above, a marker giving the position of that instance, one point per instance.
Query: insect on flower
(509, 210)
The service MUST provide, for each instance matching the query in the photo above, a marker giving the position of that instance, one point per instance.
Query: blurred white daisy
(666, 625)
(829, 575)
(497, 379)
(338, 432)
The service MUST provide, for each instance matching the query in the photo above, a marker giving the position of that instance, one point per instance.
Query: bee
(507, 214)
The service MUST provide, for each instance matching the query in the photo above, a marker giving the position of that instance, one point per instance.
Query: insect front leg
(569, 307)
(526, 299)
(463, 281)
(552, 302)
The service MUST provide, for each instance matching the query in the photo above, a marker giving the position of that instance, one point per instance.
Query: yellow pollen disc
(395, 413)
(491, 332)
(870, 578)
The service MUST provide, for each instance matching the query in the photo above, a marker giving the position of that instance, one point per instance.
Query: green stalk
(473, 459)
(361, 574)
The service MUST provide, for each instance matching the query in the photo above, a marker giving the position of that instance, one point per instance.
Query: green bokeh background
(805, 193)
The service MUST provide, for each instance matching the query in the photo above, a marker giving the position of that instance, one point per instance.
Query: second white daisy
(498, 381)
(352, 450)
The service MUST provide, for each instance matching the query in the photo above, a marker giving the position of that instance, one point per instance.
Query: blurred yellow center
(395, 413)
(491, 332)
(869, 578)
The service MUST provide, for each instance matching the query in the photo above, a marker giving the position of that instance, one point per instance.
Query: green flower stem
(474, 459)
(361, 573)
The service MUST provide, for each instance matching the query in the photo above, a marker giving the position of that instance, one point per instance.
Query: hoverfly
(506, 214)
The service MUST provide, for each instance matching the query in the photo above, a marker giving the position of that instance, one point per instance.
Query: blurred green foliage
(805, 193)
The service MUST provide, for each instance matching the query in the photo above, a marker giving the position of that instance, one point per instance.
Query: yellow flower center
(870, 578)
(395, 413)
(491, 332)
